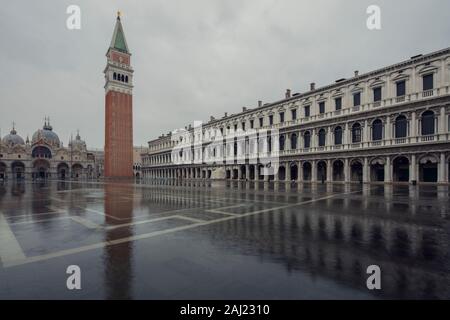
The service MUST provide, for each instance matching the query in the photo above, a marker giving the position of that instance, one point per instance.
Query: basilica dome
(46, 134)
(13, 139)
(77, 143)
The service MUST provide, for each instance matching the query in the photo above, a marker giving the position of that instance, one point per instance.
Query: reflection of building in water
(118, 257)
(387, 125)
(333, 239)
(45, 157)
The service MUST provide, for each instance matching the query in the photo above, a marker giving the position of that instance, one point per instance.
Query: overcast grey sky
(194, 58)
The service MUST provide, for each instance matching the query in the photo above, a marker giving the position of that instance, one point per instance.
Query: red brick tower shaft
(118, 108)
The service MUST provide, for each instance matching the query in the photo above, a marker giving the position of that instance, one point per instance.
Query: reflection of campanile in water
(117, 258)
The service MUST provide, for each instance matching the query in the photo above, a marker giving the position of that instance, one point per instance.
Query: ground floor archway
(294, 172)
(77, 171)
(321, 171)
(377, 170)
(307, 168)
(428, 169)
(41, 169)
(356, 171)
(18, 170)
(338, 171)
(2, 170)
(63, 171)
(401, 169)
(282, 173)
(251, 173)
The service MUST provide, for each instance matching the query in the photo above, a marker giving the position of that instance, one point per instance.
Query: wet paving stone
(223, 240)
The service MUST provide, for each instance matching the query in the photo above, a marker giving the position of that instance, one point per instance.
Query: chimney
(259, 103)
(226, 114)
(244, 109)
(356, 73)
(211, 118)
(288, 93)
(312, 86)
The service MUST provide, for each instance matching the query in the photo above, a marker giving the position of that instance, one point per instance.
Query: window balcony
(376, 143)
(430, 137)
(400, 140)
(356, 145)
(427, 93)
(377, 104)
(400, 99)
(356, 108)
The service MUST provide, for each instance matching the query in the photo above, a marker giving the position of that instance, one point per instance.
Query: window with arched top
(428, 122)
(356, 133)
(282, 139)
(307, 139)
(126, 79)
(322, 135)
(401, 126)
(338, 135)
(115, 76)
(377, 130)
(122, 77)
(294, 141)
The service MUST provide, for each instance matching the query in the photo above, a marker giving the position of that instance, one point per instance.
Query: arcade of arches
(406, 168)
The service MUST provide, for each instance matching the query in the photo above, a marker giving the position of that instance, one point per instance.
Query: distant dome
(13, 139)
(77, 143)
(47, 135)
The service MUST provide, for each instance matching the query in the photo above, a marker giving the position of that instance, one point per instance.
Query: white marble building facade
(45, 157)
(390, 125)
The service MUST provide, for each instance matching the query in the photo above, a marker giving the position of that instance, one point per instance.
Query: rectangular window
(357, 99)
(271, 120)
(235, 127)
(307, 111)
(243, 126)
(401, 88)
(428, 82)
(338, 103)
(281, 117)
(261, 122)
(294, 114)
(377, 94)
(321, 107)
(221, 131)
(252, 124)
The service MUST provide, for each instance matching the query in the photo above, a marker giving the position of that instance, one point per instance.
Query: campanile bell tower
(118, 107)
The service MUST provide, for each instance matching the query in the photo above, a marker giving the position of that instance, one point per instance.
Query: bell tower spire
(118, 106)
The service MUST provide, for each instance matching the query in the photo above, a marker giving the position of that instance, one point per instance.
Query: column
(388, 129)
(288, 172)
(247, 172)
(346, 170)
(346, 134)
(442, 127)
(299, 171)
(412, 169)
(239, 172)
(388, 170)
(413, 132)
(366, 174)
(329, 176)
(442, 171)
(366, 132)
(313, 171)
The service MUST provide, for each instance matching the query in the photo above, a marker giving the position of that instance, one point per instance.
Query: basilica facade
(45, 157)
(389, 125)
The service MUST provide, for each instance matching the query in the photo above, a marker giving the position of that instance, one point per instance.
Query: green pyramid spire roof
(118, 40)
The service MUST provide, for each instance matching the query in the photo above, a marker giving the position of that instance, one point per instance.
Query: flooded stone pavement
(223, 240)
